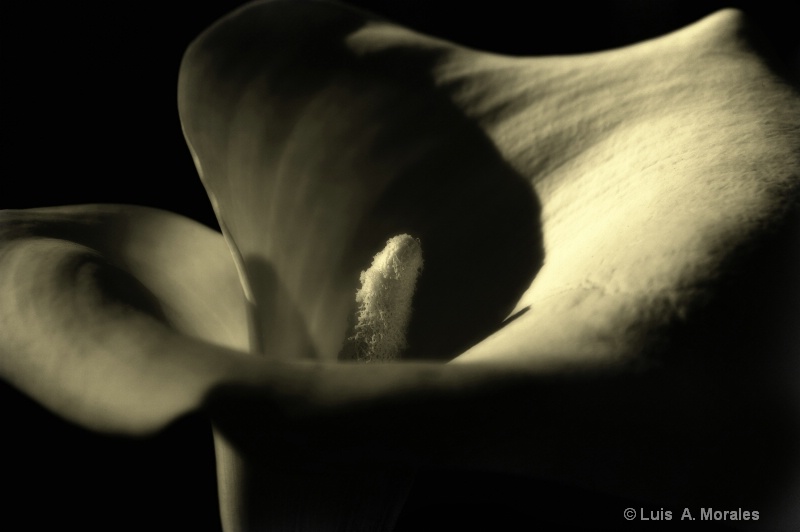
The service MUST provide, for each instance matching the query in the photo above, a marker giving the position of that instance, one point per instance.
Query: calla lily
(607, 240)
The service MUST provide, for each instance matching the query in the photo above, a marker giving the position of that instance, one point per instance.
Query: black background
(89, 115)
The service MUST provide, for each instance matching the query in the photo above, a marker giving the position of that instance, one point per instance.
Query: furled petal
(616, 204)
(106, 311)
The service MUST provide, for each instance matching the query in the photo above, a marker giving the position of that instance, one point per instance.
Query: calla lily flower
(609, 243)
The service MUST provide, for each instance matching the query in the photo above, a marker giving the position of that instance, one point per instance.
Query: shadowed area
(276, 327)
(477, 219)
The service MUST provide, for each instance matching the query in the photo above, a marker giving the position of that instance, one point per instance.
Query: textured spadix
(617, 204)
(384, 301)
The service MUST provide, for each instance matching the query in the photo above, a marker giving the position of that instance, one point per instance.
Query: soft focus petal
(107, 311)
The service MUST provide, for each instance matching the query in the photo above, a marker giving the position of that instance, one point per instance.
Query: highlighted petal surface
(107, 312)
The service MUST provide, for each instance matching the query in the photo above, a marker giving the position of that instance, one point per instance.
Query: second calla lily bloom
(592, 228)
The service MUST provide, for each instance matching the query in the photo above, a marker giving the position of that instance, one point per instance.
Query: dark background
(89, 115)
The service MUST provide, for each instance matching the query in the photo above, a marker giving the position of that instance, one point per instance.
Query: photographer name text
(689, 514)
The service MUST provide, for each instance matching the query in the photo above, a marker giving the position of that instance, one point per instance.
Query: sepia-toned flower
(606, 297)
